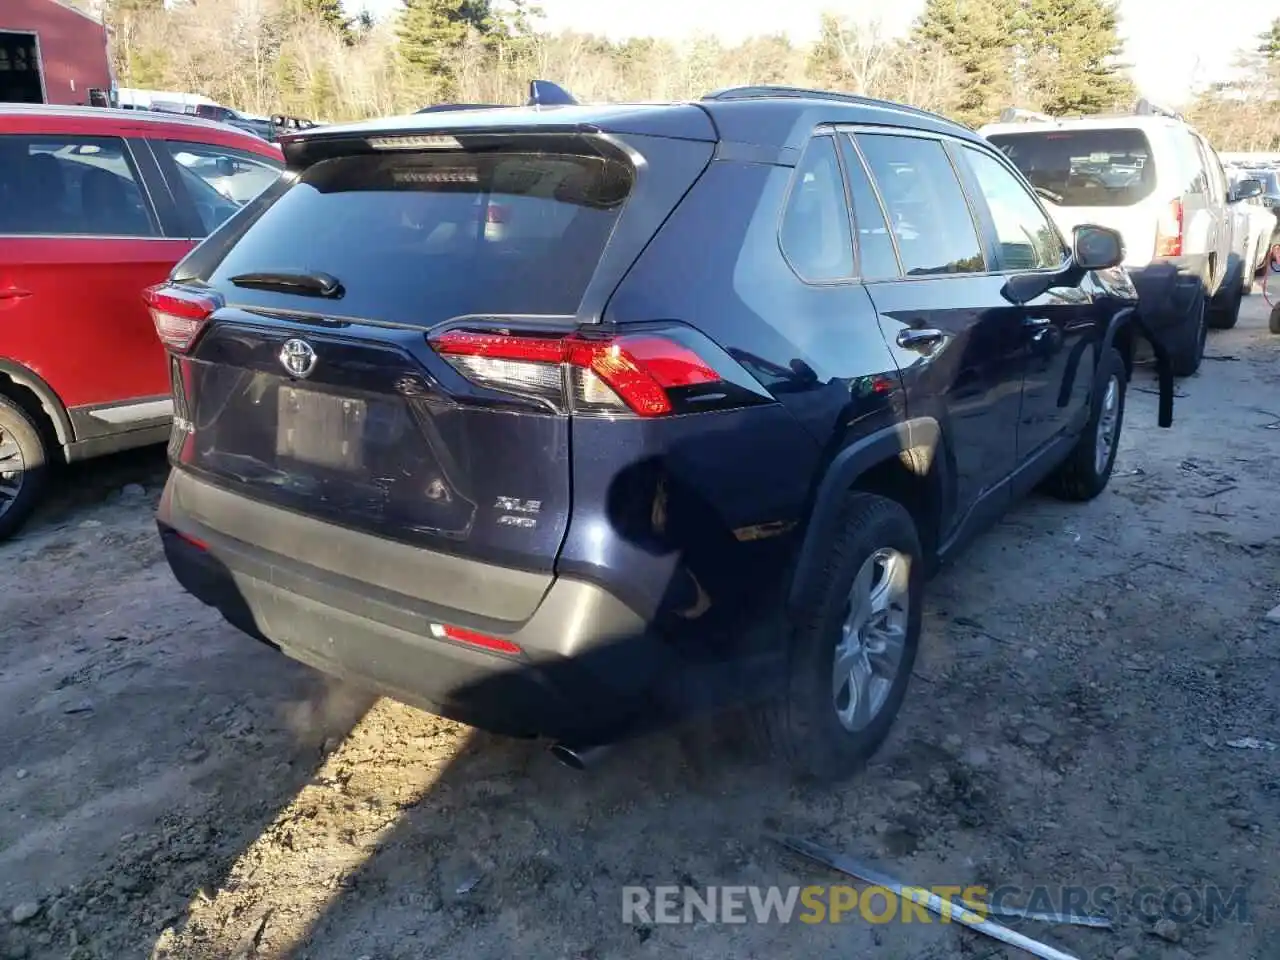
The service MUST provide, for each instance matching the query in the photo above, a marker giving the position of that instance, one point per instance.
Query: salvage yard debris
(1251, 743)
(964, 914)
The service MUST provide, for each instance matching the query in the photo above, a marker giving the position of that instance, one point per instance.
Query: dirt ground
(169, 788)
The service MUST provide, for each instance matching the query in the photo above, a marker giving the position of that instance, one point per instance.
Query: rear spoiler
(542, 93)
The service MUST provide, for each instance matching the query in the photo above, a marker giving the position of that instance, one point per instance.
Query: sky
(1173, 45)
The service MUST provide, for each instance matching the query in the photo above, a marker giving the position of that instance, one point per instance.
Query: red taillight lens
(1169, 231)
(473, 638)
(179, 314)
(618, 374)
(194, 541)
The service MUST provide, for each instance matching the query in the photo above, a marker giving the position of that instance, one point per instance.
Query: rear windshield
(1084, 168)
(423, 237)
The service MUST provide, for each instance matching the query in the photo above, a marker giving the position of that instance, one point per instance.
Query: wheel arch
(1126, 324)
(904, 462)
(27, 388)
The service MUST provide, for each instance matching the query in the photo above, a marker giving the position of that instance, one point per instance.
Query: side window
(1028, 240)
(1196, 174)
(71, 186)
(815, 232)
(218, 180)
(1217, 176)
(876, 257)
(926, 206)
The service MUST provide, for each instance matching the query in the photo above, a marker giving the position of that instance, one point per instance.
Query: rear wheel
(1226, 315)
(853, 645)
(1086, 472)
(1274, 323)
(23, 466)
(1186, 356)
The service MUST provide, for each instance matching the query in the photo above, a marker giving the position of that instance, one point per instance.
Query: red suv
(95, 205)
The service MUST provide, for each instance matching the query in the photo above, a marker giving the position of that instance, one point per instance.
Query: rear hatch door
(315, 387)
(1099, 175)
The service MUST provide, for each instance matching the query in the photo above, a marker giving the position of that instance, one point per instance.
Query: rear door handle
(1040, 325)
(915, 339)
(10, 297)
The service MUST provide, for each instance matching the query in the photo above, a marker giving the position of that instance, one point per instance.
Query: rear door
(79, 241)
(960, 345)
(1060, 327)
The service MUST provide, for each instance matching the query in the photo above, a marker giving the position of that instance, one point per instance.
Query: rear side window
(421, 238)
(1195, 176)
(218, 180)
(926, 206)
(71, 186)
(1111, 167)
(1217, 178)
(876, 257)
(815, 228)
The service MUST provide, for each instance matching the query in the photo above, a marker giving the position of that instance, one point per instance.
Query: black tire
(802, 727)
(18, 431)
(1081, 477)
(1189, 351)
(1227, 315)
(1273, 324)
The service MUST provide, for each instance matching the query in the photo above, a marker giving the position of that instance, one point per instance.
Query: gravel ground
(169, 788)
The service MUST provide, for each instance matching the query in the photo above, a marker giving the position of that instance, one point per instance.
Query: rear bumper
(587, 667)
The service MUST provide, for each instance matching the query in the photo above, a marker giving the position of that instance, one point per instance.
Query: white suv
(1154, 178)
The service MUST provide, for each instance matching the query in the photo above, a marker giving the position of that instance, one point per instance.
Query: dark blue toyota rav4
(570, 421)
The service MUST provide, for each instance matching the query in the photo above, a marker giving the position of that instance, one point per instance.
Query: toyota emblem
(298, 358)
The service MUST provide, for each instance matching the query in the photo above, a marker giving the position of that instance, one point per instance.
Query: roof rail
(442, 107)
(1146, 108)
(1018, 114)
(764, 91)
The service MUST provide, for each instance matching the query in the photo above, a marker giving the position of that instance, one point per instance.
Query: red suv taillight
(645, 375)
(179, 314)
(1169, 231)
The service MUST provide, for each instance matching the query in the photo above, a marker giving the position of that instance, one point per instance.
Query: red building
(50, 52)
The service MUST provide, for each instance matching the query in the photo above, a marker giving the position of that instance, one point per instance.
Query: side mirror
(1246, 190)
(226, 167)
(1097, 248)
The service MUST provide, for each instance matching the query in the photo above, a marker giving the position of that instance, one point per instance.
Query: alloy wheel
(1108, 419)
(873, 638)
(12, 470)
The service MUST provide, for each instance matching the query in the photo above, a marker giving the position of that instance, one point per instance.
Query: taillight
(179, 314)
(646, 375)
(1169, 231)
(473, 638)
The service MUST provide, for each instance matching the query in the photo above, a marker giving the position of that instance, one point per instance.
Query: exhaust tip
(577, 759)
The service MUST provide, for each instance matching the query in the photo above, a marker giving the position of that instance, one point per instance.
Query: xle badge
(515, 512)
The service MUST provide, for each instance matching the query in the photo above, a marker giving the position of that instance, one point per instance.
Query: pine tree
(430, 30)
(981, 39)
(1269, 42)
(328, 12)
(1070, 47)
